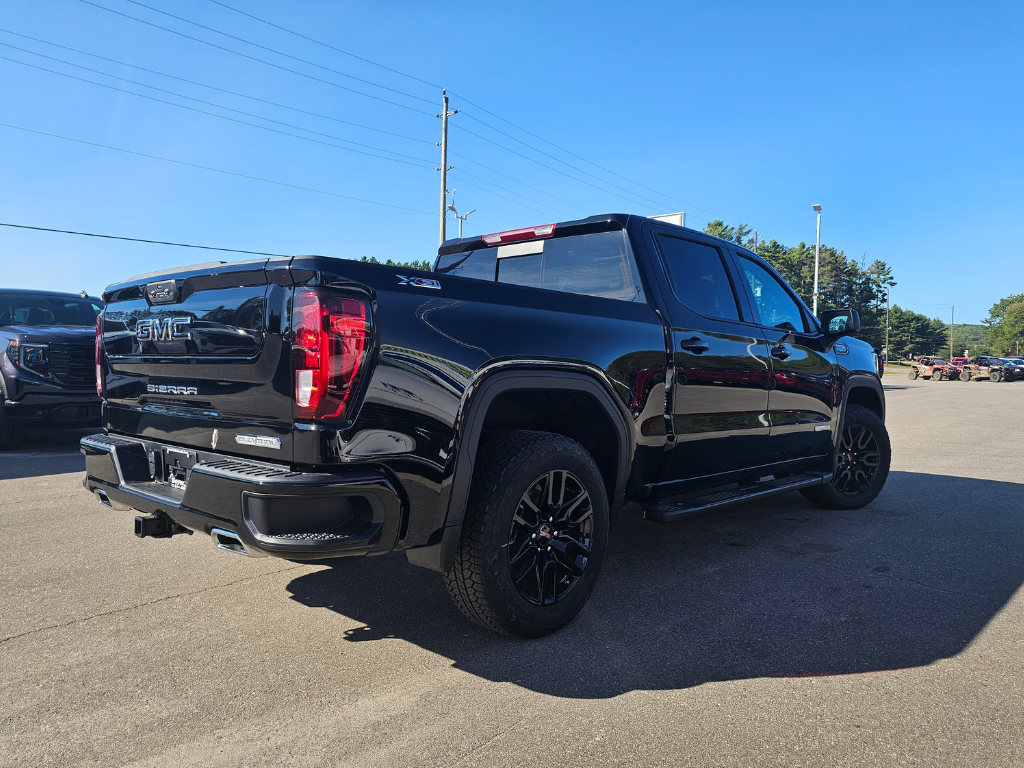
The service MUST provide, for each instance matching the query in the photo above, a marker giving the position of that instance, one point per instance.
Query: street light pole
(887, 323)
(461, 218)
(817, 249)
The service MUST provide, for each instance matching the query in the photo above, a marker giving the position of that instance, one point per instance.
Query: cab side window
(775, 305)
(698, 277)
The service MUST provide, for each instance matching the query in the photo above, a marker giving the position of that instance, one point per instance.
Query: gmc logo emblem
(164, 329)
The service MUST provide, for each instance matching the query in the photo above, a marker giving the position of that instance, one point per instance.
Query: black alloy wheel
(857, 460)
(534, 534)
(550, 538)
(860, 463)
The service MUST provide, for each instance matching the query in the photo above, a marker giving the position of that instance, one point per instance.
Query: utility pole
(887, 323)
(445, 114)
(952, 314)
(817, 248)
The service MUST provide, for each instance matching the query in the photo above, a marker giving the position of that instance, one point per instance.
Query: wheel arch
(516, 399)
(865, 391)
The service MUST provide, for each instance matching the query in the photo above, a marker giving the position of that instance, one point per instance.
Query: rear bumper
(272, 509)
(57, 411)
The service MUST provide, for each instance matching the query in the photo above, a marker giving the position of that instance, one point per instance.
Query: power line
(545, 165)
(279, 53)
(492, 192)
(233, 120)
(325, 45)
(142, 240)
(546, 154)
(212, 103)
(482, 109)
(512, 178)
(214, 170)
(347, 53)
(254, 58)
(573, 154)
(204, 85)
(214, 114)
(260, 117)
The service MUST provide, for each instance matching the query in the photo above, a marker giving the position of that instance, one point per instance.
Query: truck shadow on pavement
(49, 452)
(778, 589)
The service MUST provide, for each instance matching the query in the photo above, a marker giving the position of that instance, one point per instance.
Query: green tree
(911, 333)
(1006, 325)
(423, 266)
(718, 228)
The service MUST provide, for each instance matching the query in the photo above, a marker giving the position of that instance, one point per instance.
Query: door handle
(695, 345)
(781, 353)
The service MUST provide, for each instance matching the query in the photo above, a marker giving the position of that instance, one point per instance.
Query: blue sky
(902, 120)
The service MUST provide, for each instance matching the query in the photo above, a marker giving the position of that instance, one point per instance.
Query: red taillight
(515, 235)
(330, 343)
(100, 388)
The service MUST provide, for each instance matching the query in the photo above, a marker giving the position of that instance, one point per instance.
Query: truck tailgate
(195, 357)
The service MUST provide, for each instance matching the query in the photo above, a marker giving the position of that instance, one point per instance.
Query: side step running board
(670, 511)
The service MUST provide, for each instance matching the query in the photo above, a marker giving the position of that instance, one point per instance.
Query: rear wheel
(937, 375)
(913, 374)
(995, 375)
(860, 465)
(534, 534)
(965, 375)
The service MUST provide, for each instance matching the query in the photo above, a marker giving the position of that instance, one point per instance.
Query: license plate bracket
(177, 466)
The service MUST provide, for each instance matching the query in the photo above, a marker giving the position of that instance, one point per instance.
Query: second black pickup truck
(490, 417)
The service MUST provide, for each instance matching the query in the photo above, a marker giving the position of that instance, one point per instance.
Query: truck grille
(73, 363)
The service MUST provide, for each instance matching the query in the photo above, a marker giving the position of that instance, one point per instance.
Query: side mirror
(840, 322)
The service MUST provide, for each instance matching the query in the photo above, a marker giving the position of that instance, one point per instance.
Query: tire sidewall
(514, 612)
(860, 416)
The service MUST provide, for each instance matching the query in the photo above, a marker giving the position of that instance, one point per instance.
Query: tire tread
(497, 463)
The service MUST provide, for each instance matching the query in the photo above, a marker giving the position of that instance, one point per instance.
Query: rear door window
(599, 264)
(698, 277)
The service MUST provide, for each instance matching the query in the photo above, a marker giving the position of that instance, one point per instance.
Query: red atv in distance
(934, 368)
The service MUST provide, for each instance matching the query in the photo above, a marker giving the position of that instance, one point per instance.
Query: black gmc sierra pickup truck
(490, 417)
(47, 368)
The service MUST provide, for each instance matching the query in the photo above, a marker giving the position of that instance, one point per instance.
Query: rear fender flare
(480, 396)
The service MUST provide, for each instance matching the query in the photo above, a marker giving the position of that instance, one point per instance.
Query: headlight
(31, 357)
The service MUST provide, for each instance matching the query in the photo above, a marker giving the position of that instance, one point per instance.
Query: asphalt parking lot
(771, 634)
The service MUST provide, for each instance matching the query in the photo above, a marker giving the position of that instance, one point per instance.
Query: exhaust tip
(229, 542)
(109, 503)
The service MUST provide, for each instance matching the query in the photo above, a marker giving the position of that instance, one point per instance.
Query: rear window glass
(698, 277)
(478, 264)
(40, 310)
(598, 264)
